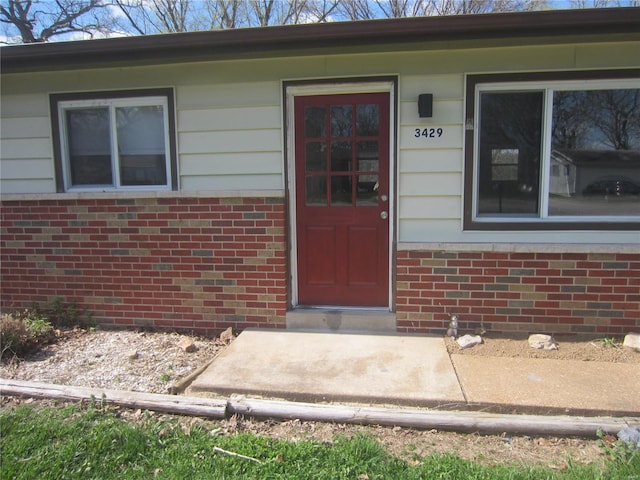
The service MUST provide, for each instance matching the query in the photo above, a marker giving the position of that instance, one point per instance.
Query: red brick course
(197, 264)
(203, 264)
(587, 294)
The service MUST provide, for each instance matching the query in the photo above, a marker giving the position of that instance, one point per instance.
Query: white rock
(630, 436)
(467, 341)
(538, 340)
(632, 340)
(132, 354)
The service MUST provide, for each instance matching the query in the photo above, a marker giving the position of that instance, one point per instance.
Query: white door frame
(340, 87)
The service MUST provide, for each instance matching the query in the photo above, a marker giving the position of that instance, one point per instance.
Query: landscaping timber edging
(460, 421)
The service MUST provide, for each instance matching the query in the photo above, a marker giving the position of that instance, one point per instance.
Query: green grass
(94, 443)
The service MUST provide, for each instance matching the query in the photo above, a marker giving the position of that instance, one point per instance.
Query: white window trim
(112, 104)
(547, 88)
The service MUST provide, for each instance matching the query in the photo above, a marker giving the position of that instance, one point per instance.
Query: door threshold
(341, 319)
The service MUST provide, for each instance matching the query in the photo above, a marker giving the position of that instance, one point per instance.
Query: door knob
(383, 198)
(384, 215)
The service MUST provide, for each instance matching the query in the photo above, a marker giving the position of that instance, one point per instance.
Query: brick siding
(194, 264)
(203, 264)
(586, 294)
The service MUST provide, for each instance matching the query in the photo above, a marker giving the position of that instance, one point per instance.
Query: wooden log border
(458, 421)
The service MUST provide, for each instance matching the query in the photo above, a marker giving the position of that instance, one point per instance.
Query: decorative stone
(632, 341)
(132, 354)
(467, 341)
(540, 341)
(227, 336)
(187, 345)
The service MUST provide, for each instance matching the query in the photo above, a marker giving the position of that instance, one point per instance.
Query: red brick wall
(202, 264)
(586, 294)
(197, 264)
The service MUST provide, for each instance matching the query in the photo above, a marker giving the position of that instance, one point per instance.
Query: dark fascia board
(253, 42)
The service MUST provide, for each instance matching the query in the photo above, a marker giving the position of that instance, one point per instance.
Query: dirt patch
(103, 359)
(600, 350)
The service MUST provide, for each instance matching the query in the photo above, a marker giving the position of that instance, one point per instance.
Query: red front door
(342, 192)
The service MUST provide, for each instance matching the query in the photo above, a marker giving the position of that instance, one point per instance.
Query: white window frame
(112, 104)
(547, 88)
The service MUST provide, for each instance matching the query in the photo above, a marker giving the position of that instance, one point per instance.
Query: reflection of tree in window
(596, 119)
(367, 120)
(619, 118)
(341, 120)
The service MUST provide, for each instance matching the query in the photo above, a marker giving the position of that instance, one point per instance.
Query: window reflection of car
(612, 187)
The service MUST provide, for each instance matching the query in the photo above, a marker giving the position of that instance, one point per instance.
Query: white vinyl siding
(26, 163)
(230, 137)
(230, 132)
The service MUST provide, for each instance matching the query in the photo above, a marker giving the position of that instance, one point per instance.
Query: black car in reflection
(612, 186)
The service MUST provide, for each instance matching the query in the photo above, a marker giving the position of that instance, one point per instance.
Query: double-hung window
(553, 151)
(115, 141)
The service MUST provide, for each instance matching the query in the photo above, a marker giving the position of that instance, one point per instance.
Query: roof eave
(193, 46)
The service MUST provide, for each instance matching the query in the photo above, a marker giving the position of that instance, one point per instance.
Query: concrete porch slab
(313, 366)
(572, 386)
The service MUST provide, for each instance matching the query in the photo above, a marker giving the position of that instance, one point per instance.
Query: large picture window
(115, 141)
(552, 152)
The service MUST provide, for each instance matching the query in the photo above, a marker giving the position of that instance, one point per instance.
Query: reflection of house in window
(562, 180)
(572, 171)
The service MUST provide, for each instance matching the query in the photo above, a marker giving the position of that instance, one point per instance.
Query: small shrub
(24, 331)
(65, 315)
(609, 342)
(13, 334)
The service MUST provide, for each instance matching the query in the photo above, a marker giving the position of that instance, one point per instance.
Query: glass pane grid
(350, 170)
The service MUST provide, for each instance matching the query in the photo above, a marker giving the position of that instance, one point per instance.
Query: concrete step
(341, 320)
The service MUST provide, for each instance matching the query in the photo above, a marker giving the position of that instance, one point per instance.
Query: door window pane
(141, 145)
(341, 190)
(89, 144)
(316, 157)
(367, 154)
(509, 153)
(595, 158)
(341, 120)
(340, 156)
(367, 120)
(367, 190)
(316, 191)
(315, 123)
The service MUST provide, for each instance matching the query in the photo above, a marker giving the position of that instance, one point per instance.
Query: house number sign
(428, 132)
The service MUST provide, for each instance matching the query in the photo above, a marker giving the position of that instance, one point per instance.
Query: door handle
(384, 215)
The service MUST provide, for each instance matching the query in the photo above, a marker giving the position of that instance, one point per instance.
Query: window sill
(143, 194)
(551, 225)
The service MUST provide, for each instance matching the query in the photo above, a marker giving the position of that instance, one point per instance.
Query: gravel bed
(121, 360)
